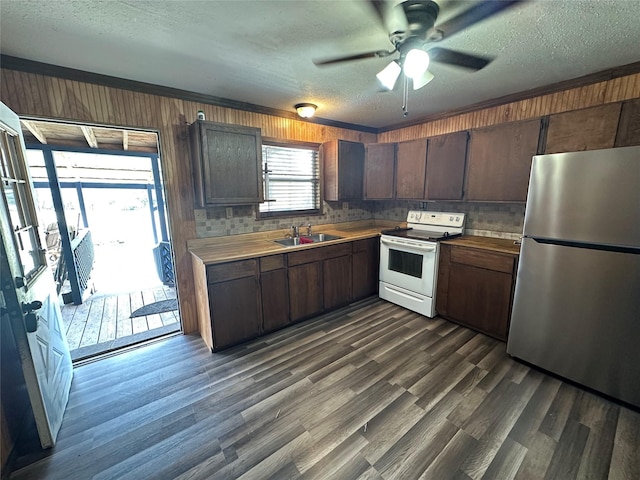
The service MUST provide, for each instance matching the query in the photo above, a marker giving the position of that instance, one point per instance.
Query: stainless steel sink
(315, 238)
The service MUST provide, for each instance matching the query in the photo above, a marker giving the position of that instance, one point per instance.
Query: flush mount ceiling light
(306, 110)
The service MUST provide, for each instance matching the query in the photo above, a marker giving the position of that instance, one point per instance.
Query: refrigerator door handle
(588, 246)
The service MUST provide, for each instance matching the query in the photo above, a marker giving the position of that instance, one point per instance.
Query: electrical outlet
(345, 205)
(229, 212)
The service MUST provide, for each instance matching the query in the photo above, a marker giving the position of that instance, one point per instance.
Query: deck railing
(83, 256)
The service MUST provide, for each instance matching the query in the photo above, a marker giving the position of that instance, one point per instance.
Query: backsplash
(213, 222)
(487, 219)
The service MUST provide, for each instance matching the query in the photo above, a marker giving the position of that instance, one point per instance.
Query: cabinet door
(343, 165)
(227, 161)
(499, 161)
(379, 172)
(366, 266)
(337, 281)
(446, 160)
(480, 298)
(305, 290)
(586, 129)
(629, 126)
(442, 292)
(275, 299)
(411, 163)
(235, 311)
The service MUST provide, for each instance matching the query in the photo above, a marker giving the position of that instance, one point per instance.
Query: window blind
(291, 180)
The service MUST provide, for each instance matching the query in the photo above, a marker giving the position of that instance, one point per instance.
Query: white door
(28, 288)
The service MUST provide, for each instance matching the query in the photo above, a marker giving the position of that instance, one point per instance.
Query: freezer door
(576, 312)
(591, 197)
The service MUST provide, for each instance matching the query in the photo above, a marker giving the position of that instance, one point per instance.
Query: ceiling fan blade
(478, 12)
(359, 56)
(459, 59)
(392, 17)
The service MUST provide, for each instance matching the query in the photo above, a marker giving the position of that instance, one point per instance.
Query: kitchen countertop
(501, 245)
(251, 245)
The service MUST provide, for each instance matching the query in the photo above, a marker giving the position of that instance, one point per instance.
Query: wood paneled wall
(42, 96)
(615, 90)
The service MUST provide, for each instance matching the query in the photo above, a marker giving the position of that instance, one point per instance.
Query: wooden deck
(103, 319)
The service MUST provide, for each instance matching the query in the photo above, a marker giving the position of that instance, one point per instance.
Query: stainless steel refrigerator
(576, 310)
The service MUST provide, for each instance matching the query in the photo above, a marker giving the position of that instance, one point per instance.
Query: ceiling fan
(412, 29)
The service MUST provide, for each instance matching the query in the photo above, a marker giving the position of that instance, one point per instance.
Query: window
(291, 181)
(19, 205)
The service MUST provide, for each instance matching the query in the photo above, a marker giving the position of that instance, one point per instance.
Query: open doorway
(101, 195)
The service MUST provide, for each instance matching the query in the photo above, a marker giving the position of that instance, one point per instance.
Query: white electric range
(409, 259)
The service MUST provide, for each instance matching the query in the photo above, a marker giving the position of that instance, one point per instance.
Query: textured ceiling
(261, 52)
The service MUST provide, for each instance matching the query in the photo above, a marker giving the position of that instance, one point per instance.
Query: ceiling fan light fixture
(389, 75)
(415, 63)
(422, 80)
(305, 110)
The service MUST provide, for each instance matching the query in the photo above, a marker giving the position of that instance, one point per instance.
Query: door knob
(31, 322)
(30, 307)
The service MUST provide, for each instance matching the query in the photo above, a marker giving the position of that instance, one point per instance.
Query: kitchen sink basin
(315, 238)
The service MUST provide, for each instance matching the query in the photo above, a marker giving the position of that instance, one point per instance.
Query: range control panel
(443, 219)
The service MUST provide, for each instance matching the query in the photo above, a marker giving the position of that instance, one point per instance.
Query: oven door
(409, 264)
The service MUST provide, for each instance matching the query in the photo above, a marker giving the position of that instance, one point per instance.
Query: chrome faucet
(295, 231)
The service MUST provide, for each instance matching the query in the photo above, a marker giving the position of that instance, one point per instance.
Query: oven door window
(406, 262)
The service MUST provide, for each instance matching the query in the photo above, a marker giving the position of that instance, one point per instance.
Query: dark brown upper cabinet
(379, 172)
(629, 126)
(227, 164)
(411, 163)
(499, 161)
(446, 159)
(586, 129)
(343, 166)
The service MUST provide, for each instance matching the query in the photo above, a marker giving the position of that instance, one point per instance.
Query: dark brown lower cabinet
(365, 262)
(275, 292)
(475, 288)
(275, 299)
(305, 290)
(235, 311)
(336, 282)
(247, 298)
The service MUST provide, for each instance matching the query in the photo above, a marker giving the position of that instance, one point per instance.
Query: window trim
(295, 213)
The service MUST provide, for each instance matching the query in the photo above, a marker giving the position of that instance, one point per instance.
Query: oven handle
(418, 246)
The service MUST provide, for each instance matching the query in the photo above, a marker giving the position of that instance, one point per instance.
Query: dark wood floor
(372, 391)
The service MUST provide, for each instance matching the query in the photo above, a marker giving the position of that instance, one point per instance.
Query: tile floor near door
(370, 391)
(102, 322)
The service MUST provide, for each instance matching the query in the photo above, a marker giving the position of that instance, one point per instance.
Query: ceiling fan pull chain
(405, 97)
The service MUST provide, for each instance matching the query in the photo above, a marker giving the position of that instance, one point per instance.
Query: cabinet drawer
(317, 254)
(230, 271)
(273, 262)
(365, 245)
(482, 259)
